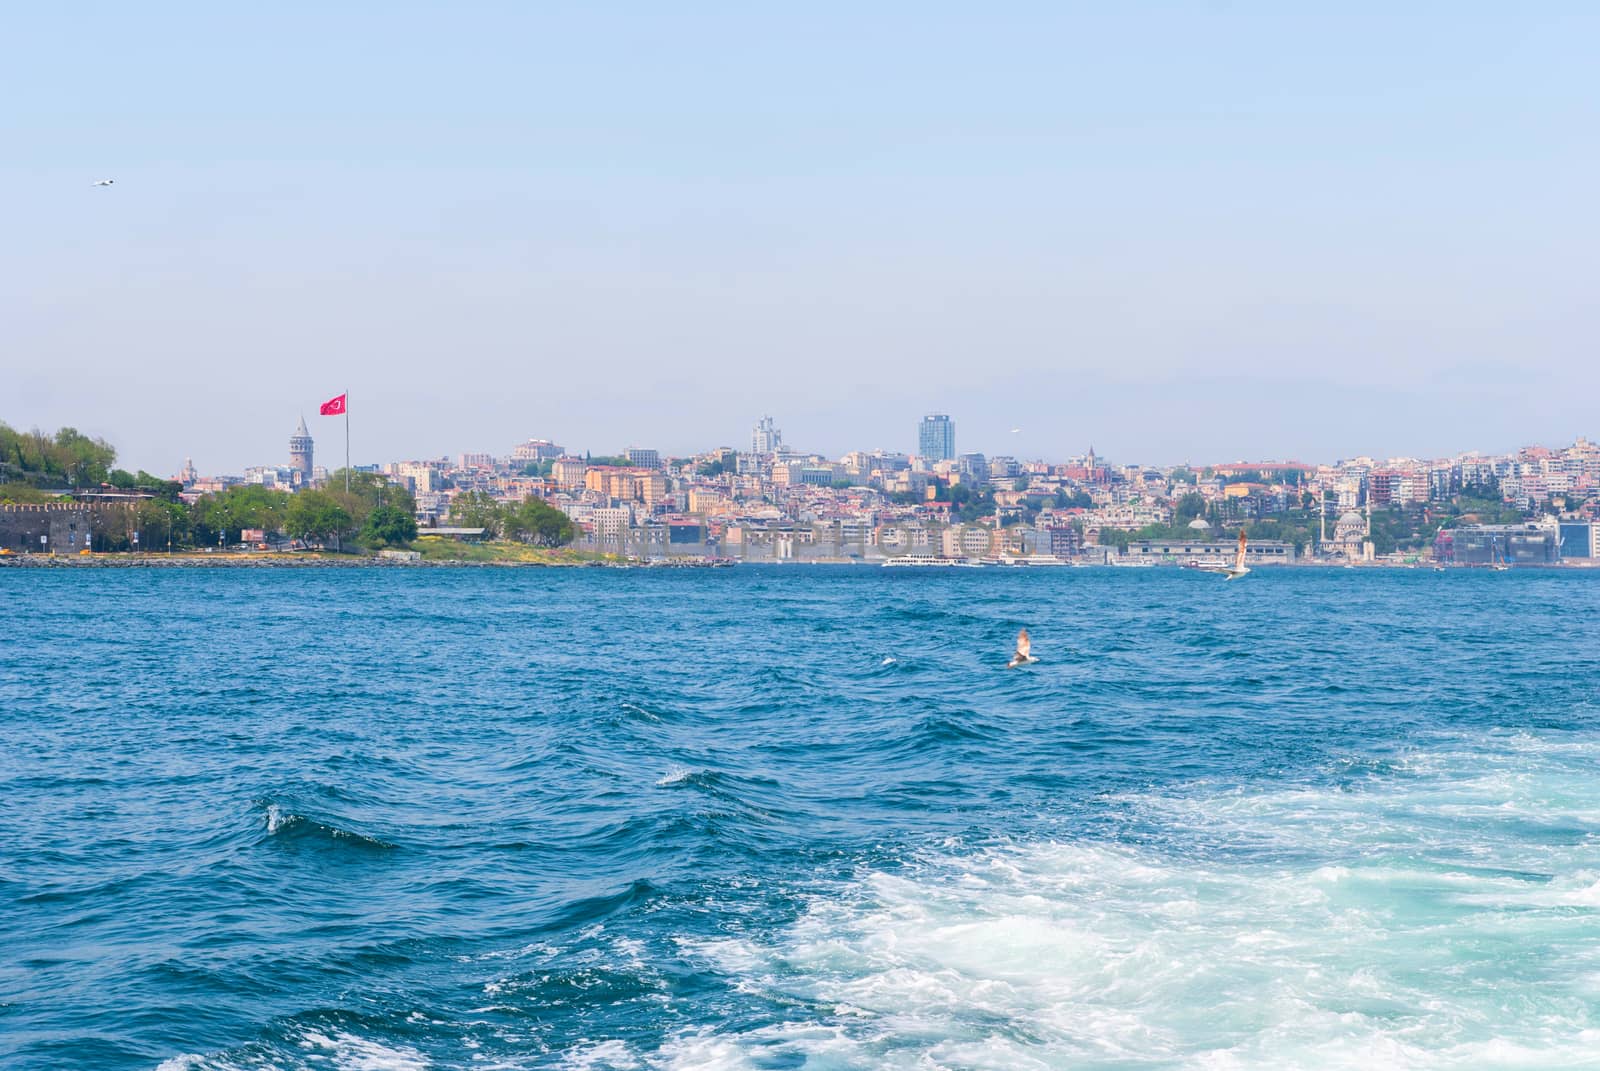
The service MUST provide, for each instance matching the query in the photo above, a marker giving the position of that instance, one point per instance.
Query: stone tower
(300, 455)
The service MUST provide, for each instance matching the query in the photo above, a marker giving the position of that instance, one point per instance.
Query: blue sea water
(393, 820)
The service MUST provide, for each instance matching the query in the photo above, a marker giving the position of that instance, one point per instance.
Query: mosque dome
(1200, 524)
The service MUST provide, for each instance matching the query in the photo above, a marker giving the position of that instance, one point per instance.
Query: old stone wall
(70, 527)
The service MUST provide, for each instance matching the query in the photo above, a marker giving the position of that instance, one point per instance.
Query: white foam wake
(1446, 920)
(334, 1051)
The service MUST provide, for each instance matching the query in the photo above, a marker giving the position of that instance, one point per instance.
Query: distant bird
(1237, 569)
(103, 182)
(1021, 657)
(1016, 431)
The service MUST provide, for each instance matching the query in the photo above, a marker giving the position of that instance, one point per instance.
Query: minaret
(300, 455)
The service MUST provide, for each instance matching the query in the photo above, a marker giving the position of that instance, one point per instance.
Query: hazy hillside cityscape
(768, 501)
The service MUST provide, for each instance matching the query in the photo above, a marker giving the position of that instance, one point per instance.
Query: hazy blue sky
(1179, 231)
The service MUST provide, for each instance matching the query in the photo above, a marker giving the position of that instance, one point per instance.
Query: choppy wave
(334, 1050)
(670, 820)
(287, 827)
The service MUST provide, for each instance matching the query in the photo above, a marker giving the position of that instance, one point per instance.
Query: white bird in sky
(1016, 431)
(103, 182)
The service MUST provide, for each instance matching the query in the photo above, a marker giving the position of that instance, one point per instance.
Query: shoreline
(264, 561)
(120, 560)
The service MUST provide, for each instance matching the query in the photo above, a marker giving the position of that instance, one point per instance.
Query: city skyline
(1532, 506)
(1015, 442)
(936, 451)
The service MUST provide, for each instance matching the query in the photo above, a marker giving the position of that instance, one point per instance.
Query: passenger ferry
(934, 560)
(1027, 560)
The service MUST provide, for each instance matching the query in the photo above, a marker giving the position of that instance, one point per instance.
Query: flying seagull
(1237, 569)
(1021, 657)
(103, 182)
(1016, 431)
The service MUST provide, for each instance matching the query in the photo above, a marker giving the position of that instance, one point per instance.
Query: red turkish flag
(333, 406)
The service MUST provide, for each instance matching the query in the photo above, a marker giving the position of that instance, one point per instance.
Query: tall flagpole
(347, 440)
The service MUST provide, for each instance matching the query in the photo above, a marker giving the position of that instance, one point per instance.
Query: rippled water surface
(375, 820)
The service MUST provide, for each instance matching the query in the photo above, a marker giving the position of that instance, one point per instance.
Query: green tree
(43, 460)
(536, 521)
(244, 506)
(388, 526)
(368, 491)
(1188, 507)
(161, 523)
(1115, 537)
(317, 516)
(254, 506)
(24, 494)
(477, 509)
(971, 503)
(84, 461)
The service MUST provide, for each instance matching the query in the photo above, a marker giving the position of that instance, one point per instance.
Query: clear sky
(1196, 231)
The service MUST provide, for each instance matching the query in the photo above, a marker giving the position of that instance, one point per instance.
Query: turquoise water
(392, 820)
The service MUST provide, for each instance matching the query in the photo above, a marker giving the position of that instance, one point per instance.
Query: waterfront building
(969, 541)
(611, 524)
(1349, 531)
(1065, 540)
(1495, 544)
(1257, 552)
(300, 455)
(936, 438)
(1579, 539)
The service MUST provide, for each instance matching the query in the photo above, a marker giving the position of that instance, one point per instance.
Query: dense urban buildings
(778, 503)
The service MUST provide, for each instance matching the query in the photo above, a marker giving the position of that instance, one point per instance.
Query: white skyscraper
(765, 438)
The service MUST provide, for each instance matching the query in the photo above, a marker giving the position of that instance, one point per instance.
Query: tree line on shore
(35, 467)
(533, 520)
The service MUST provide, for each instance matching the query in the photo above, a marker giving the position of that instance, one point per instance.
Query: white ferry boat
(924, 560)
(1031, 561)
